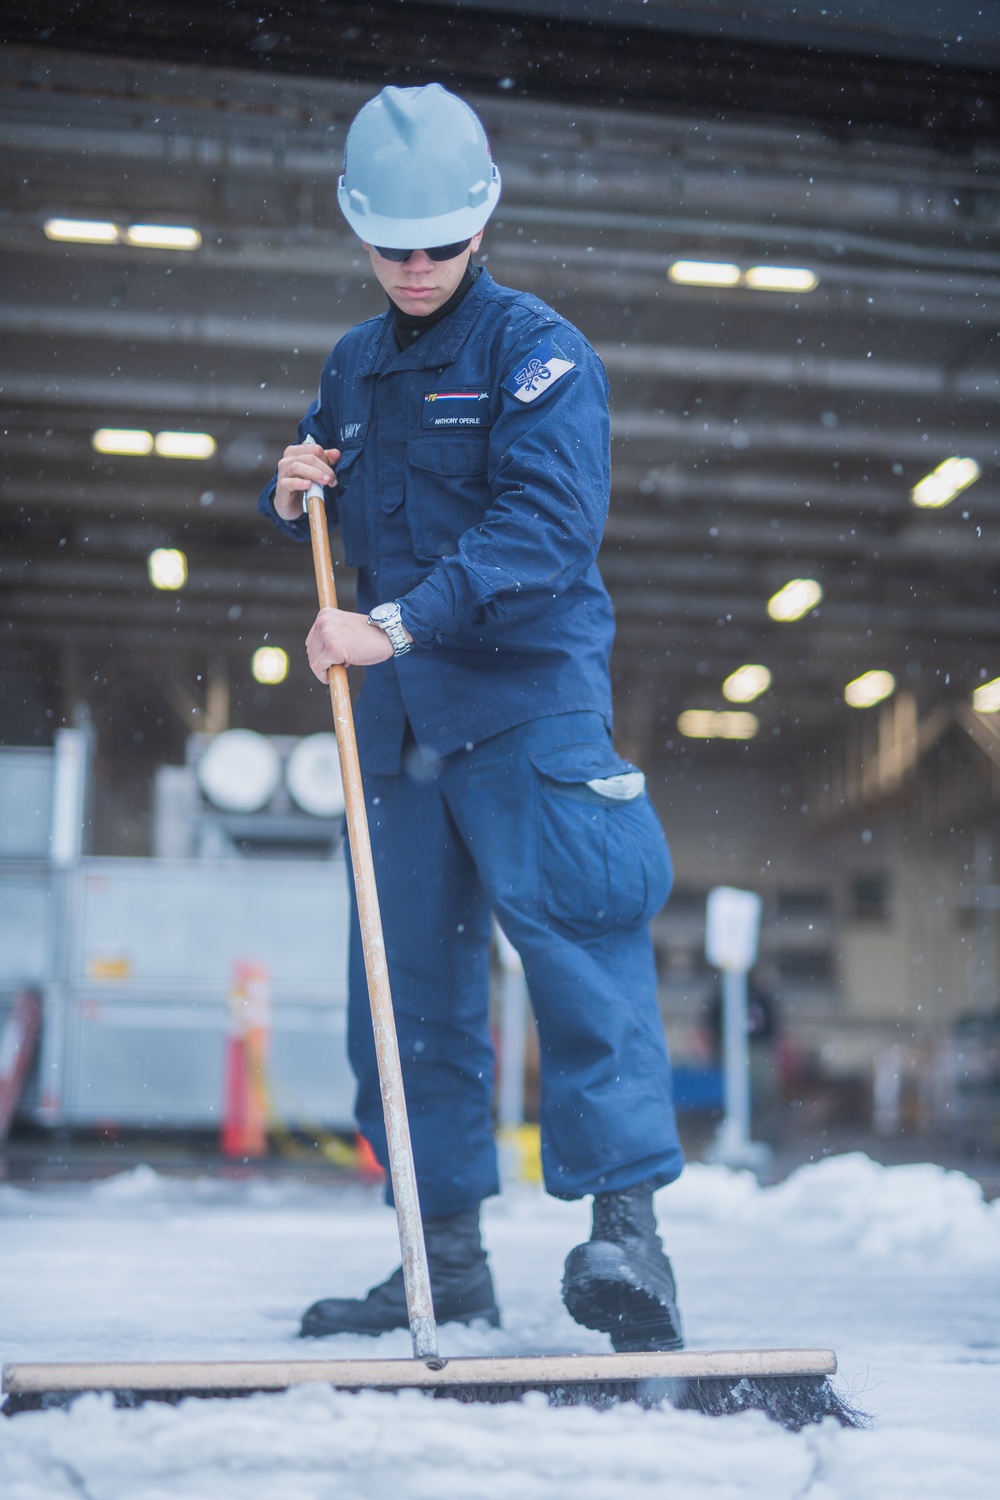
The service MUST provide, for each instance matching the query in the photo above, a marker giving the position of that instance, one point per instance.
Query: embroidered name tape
(539, 373)
(353, 432)
(457, 408)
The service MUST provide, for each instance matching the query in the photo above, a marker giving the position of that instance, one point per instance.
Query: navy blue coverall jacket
(473, 488)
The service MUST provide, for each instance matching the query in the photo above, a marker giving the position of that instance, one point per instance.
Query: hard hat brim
(419, 234)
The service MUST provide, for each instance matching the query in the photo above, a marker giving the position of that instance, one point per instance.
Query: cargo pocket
(447, 492)
(348, 496)
(604, 860)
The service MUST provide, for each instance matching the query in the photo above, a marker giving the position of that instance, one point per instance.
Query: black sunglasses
(436, 252)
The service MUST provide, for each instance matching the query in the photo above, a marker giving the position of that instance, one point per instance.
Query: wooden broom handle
(416, 1275)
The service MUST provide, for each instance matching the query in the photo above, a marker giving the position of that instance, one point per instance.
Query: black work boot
(461, 1287)
(620, 1281)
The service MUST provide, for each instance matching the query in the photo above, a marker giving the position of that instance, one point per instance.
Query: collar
(439, 346)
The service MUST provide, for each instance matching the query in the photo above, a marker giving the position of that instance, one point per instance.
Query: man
(462, 439)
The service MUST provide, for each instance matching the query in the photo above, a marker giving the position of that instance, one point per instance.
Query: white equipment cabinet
(145, 1010)
(134, 958)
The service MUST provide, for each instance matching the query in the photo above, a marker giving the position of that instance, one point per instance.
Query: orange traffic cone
(366, 1162)
(244, 1117)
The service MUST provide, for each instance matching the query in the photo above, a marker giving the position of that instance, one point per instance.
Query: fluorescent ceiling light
(781, 279)
(707, 724)
(185, 444)
(82, 231)
(168, 568)
(162, 236)
(796, 599)
(869, 688)
(758, 278)
(704, 273)
(270, 664)
(986, 699)
(949, 479)
(136, 441)
(141, 236)
(122, 440)
(746, 683)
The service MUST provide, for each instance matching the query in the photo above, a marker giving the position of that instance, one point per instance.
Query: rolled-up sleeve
(549, 472)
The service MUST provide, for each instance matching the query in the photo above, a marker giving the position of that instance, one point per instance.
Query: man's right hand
(301, 465)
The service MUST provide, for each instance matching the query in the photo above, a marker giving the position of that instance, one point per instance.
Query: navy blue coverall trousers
(473, 488)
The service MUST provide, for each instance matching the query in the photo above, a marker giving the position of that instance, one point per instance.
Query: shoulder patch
(539, 373)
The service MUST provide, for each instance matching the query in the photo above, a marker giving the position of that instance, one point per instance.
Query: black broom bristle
(792, 1401)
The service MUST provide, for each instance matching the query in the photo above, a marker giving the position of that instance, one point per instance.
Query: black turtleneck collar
(409, 326)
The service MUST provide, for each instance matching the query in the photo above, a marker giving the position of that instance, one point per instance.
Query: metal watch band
(392, 626)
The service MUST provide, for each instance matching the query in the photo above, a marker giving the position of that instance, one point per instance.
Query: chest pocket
(447, 492)
(350, 508)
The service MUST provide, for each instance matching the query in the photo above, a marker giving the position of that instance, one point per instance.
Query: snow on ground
(897, 1268)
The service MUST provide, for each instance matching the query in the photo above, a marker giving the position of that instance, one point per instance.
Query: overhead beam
(210, 330)
(673, 362)
(152, 498)
(128, 578)
(546, 185)
(584, 59)
(635, 546)
(692, 434)
(118, 590)
(206, 397)
(643, 511)
(851, 291)
(729, 483)
(888, 620)
(757, 367)
(815, 647)
(656, 493)
(797, 539)
(166, 613)
(893, 442)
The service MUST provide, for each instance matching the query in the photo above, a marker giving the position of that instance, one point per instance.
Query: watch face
(382, 614)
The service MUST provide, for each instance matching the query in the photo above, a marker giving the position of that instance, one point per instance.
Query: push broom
(791, 1385)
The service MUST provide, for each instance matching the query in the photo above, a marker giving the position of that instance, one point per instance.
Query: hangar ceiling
(758, 435)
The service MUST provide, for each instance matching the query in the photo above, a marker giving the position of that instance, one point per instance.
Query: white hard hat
(417, 170)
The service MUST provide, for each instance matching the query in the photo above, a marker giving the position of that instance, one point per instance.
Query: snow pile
(138, 1186)
(142, 1189)
(921, 1211)
(318, 1444)
(886, 1265)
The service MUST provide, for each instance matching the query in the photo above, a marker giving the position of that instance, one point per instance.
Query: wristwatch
(388, 618)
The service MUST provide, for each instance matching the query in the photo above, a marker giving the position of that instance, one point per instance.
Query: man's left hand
(341, 638)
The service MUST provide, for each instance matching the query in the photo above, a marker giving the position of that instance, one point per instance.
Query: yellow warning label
(109, 967)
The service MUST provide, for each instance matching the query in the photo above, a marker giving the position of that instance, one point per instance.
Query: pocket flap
(456, 455)
(578, 764)
(347, 458)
